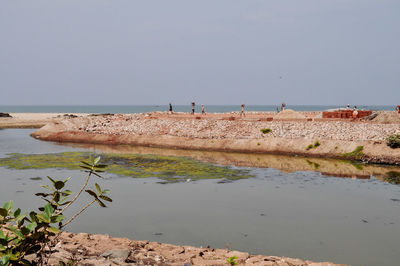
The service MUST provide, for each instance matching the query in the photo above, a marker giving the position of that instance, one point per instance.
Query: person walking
(193, 106)
(283, 105)
(242, 110)
(203, 110)
(170, 108)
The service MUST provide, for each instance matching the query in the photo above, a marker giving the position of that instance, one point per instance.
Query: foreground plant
(34, 232)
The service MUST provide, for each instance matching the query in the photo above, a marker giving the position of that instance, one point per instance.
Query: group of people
(355, 110)
(203, 109)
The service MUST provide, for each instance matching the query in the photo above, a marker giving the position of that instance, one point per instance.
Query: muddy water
(294, 207)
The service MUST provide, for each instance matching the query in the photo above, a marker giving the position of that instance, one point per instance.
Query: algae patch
(169, 168)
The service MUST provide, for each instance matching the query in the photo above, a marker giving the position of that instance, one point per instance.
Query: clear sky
(208, 51)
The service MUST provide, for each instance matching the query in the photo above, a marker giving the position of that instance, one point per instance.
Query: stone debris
(213, 128)
(387, 118)
(85, 249)
(289, 114)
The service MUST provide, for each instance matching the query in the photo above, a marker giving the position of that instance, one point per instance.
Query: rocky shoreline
(337, 138)
(102, 250)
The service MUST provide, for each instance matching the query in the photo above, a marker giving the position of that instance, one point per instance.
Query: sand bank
(233, 134)
(31, 120)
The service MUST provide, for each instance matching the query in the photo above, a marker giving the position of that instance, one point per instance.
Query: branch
(77, 195)
(73, 217)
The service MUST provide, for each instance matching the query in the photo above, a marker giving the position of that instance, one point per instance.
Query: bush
(24, 234)
(393, 141)
(317, 143)
(266, 130)
(309, 147)
(356, 154)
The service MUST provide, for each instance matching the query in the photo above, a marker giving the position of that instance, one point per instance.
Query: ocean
(127, 109)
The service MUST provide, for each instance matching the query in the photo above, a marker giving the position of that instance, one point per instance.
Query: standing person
(355, 112)
(193, 106)
(348, 107)
(203, 110)
(170, 108)
(283, 105)
(242, 110)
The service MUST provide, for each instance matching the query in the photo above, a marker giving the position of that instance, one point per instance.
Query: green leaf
(97, 175)
(31, 227)
(43, 218)
(105, 198)
(100, 203)
(17, 212)
(96, 161)
(48, 210)
(101, 166)
(86, 167)
(98, 188)
(5, 260)
(66, 180)
(88, 164)
(9, 205)
(51, 179)
(67, 192)
(61, 263)
(48, 187)
(58, 218)
(3, 212)
(33, 217)
(106, 191)
(40, 194)
(59, 184)
(91, 192)
(16, 231)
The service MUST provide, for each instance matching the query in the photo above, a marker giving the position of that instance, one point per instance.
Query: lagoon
(282, 206)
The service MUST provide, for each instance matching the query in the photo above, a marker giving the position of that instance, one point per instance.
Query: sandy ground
(30, 120)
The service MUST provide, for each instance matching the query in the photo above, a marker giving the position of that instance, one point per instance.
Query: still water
(307, 213)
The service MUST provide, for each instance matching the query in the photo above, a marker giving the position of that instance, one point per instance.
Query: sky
(99, 52)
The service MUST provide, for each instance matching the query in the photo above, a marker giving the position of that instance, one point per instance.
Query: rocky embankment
(99, 250)
(289, 136)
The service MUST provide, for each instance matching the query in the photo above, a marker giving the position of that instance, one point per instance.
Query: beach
(289, 133)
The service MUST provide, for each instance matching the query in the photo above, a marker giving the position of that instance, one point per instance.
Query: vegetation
(168, 168)
(356, 154)
(266, 130)
(393, 141)
(34, 232)
(232, 260)
(393, 177)
(315, 145)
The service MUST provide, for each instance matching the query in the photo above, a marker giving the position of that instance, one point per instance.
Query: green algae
(169, 168)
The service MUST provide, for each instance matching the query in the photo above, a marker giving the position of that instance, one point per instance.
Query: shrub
(24, 234)
(393, 141)
(266, 130)
(309, 147)
(356, 154)
(232, 260)
(317, 143)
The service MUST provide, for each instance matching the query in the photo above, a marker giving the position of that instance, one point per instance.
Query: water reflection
(287, 164)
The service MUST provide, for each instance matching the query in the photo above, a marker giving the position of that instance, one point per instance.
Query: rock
(5, 115)
(117, 254)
